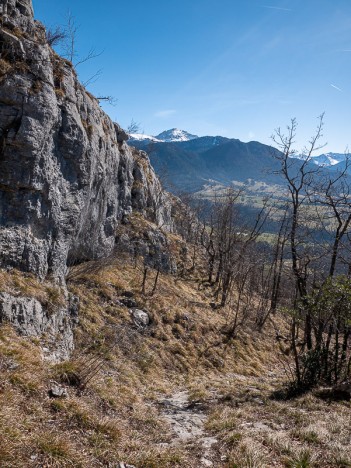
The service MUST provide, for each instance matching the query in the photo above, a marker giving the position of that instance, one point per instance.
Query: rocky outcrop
(149, 243)
(68, 179)
(30, 318)
(67, 175)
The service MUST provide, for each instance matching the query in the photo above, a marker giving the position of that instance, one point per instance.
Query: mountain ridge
(191, 163)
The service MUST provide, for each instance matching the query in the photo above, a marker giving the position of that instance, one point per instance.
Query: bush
(329, 359)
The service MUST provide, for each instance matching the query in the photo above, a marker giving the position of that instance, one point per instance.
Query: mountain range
(188, 162)
(330, 160)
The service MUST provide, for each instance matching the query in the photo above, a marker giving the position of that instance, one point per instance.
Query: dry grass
(5, 67)
(114, 417)
(17, 283)
(305, 432)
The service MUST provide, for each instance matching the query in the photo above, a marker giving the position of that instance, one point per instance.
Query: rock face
(31, 319)
(68, 178)
(67, 175)
(151, 244)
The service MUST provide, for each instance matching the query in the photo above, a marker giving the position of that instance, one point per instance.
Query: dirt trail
(187, 420)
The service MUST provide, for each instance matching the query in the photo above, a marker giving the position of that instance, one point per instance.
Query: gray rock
(152, 245)
(29, 317)
(206, 462)
(122, 135)
(140, 318)
(57, 391)
(13, 366)
(74, 306)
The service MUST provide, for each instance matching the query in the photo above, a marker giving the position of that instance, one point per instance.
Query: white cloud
(251, 135)
(276, 8)
(336, 87)
(165, 113)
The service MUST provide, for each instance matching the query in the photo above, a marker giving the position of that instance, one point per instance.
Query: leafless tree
(70, 46)
(55, 36)
(133, 127)
(332, 198)
(298, 177)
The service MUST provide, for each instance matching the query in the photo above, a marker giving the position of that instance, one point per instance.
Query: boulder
(140, 318)
(57, 391)
(124, 465)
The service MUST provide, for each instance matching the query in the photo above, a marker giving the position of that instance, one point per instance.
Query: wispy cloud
(276, 8)
(336, 87)
(165, 113)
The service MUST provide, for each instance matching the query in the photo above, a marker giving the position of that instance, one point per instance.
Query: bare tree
(69, 46)
(109, 99)
(332, 198)
(298, 177)
(133, 127)
(55, 36)
(272, 275)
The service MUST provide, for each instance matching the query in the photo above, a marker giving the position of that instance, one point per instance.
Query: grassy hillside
(123, 382)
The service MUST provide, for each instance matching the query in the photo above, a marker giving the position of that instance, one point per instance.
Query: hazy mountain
(188, 162)
(341, 166)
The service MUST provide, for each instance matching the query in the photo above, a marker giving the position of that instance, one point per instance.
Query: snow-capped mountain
(326, 159)
(168, 136)
(175, 135)
(193, 162)
(329, 159)
(143, 137)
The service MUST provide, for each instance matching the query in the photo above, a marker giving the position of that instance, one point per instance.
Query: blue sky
(237, 68)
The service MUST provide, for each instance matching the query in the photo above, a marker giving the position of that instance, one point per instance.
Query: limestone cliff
(67, 177)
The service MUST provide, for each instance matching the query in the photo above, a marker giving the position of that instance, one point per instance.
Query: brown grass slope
(119, 372)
